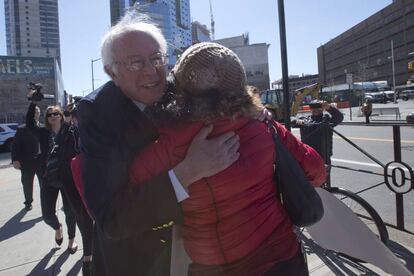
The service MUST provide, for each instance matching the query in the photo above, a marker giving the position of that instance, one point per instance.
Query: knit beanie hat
(206, 66)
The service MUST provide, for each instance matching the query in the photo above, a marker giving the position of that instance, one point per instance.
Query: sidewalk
(28, 247)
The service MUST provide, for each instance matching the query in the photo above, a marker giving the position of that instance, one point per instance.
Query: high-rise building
(366, 50)
(172, 16)
(254, 57)
(32, 28)
(200, 33)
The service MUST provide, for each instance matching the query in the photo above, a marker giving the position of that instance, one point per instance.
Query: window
(28, 45)
(27, 28)
(29, 51)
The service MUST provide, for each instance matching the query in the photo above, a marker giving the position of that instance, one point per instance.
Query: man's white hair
(130, 23)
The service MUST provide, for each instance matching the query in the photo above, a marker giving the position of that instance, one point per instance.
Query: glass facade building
(172, 16)
(32, 28)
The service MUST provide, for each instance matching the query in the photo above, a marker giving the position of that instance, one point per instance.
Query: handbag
(298, 197)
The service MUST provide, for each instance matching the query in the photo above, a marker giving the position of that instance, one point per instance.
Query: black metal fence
(397, 175)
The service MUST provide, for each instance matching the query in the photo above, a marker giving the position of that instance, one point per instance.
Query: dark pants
(84, 221)
(295, 266)
(48, 198)
(27, 176)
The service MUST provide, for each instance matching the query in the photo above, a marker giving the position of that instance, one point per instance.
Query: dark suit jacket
(133, 233)
(27, 141)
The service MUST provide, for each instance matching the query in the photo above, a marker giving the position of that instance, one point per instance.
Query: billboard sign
(29, 66)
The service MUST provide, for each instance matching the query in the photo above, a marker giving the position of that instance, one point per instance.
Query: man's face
(316, 111)
(147, 84)
(37, 114)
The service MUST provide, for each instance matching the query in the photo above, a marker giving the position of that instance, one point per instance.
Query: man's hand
(327, 106)
(17, 165)
(206, 157)
(299, 122)
(265, 115)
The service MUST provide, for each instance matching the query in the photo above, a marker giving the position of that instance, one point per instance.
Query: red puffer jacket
(229, 215)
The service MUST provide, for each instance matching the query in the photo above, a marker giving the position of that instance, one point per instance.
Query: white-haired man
(133, 224)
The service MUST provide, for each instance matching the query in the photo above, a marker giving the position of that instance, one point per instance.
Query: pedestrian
(113, 128)
(366, 109)
(316, 129)
(62, 140)
(233, 222)
(28, 157)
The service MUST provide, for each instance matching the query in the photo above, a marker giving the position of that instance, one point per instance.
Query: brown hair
(54, 108)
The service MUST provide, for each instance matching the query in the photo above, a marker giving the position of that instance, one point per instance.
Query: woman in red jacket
(233, 222)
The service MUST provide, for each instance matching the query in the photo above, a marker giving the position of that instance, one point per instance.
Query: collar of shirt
(140, 105)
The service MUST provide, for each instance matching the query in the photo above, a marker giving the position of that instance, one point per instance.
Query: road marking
(374, 139)
(356, 162)
(363, 163)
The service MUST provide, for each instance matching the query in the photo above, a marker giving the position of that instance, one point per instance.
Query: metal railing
(397, 175)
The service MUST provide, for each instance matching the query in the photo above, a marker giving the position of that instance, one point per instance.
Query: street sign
(349, 79)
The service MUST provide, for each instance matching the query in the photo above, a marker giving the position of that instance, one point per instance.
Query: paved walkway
(27, 244)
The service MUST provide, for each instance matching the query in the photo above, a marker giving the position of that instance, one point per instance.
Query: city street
(28, 246)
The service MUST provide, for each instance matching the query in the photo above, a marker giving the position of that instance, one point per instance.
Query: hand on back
(207, 157)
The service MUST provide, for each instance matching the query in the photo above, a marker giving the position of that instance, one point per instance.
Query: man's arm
(336, 116)
(121, 210)
(30, 121)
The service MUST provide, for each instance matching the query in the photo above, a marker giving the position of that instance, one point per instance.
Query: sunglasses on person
(52, 114)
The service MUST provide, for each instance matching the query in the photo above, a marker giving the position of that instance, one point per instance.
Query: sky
(309, 24)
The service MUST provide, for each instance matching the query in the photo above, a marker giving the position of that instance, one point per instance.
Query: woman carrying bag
(62, 141)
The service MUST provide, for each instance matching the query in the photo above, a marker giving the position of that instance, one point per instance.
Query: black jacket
(133, 224)
(30, 144)
(316, 131)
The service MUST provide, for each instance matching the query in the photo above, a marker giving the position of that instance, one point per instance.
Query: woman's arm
(310, 161)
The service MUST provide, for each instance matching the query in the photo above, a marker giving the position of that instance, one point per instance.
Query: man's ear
(108, 70)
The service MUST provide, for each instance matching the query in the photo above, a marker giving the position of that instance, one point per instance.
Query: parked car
(389, 94)
(376, 97)
(7, 132)
(410, 118)
(407, 94)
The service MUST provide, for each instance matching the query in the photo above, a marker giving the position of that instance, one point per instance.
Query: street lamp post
(93, 79)
(393, 70)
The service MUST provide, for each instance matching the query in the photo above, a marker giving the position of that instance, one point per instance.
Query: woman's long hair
(53, 108)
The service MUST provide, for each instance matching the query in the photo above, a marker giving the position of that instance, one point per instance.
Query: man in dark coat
(133, 224)
(28, 156)
(315, 129)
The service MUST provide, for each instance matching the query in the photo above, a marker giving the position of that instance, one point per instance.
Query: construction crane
(212, 22)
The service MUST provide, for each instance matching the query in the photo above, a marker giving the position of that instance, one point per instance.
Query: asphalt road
(378, 142)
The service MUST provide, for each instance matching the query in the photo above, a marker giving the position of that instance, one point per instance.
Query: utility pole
(393, 70)
(93, 79)
(283, 52)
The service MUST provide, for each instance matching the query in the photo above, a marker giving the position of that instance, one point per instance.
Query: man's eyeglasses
(52, 114)
(137, 63)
